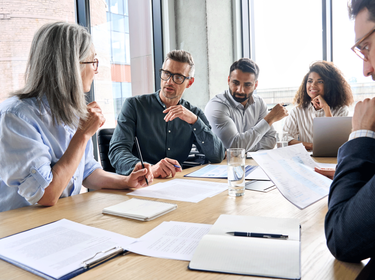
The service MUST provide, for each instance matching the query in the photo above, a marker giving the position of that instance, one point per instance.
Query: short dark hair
(246, 65)
(337, 91)
(355, 6)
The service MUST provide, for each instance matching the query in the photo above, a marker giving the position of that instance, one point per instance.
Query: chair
(104, 137)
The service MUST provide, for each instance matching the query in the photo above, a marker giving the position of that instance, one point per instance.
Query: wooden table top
(316, 260)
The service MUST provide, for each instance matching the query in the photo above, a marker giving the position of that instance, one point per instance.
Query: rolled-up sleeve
(25, 159)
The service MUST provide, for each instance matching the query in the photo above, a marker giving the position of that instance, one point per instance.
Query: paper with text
(171, 240)
(292, 170)
(59, 248)
(182, 190)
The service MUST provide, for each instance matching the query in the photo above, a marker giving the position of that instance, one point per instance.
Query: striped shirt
(299, 123)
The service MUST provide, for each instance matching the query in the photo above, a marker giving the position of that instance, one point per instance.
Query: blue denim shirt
(143, 116)
(30, 144)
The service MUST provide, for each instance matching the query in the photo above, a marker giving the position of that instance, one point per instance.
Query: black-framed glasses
(363, 52)
(177, 78)
(94, 63)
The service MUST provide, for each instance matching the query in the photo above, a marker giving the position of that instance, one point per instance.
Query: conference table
(316, 260)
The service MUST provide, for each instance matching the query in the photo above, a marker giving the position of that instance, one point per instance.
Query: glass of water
(282, 140)
(236, 171)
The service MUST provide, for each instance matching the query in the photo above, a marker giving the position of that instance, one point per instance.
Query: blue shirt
(30, 145)
(143, 116)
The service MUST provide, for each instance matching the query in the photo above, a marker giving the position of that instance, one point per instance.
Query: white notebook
(270, 257)
(140, 209)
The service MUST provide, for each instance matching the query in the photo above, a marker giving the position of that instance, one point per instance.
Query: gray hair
(184, 57)
(54, 71)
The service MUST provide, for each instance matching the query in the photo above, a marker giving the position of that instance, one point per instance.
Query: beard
(240, 97)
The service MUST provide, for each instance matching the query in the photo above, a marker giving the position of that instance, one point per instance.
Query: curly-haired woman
(324, 92)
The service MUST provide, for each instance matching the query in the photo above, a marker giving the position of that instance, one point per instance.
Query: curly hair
(337, 91)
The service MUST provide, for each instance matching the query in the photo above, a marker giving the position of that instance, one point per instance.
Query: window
(19, 20)
(122, 57)
(286, 38)
(345, 59)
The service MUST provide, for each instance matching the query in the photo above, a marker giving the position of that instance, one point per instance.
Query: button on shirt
(240, 126)
(299, 123)
(143, 116)
(30, 144)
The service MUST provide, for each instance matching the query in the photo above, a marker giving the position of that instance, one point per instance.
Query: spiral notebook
(140, 209)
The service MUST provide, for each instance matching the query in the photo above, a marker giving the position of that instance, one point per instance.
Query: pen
(176, 166)
(140, 155)
(260, 235)
(284, 105)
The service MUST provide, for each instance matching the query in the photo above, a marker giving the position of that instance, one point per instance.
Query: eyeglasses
(177, 78)
(95, 63)
(363, 52)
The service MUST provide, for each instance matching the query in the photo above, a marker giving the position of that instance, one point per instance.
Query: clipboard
(22, 255)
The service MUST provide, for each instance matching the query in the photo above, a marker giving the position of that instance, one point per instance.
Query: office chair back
(104, 137)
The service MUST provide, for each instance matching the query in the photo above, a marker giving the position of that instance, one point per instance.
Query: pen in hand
(259, 235)
(284, 105)
(140, 155)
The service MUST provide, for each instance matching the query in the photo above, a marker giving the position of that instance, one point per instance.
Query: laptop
(329, 134)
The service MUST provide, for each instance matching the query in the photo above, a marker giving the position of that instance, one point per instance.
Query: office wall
(205, 29)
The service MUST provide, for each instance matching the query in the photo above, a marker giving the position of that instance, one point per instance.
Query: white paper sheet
(257, 174)
(292, 170)
(218, 171)
(171, 240)
(60, 247)
(182, 190)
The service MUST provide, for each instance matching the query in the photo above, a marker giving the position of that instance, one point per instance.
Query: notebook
(269, 257)
(140, 209)
(329, 134)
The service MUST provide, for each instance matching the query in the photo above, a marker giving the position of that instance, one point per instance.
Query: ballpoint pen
(256, 234)
(140, 155)
(284, 105)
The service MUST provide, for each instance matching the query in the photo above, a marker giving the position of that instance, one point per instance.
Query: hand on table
(165, 168)
(137, 178)
(328, 172)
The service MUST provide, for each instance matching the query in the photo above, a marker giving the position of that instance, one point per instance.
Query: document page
(292, 170)
(217, 171)
(182, 190)
(171, 240)
(59, 248)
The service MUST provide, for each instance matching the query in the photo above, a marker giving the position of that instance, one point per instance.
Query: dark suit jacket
(350, 221)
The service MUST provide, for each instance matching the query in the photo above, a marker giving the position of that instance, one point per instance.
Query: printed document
(171, 240)
(182, 190)
(58, 248)
(292, 170)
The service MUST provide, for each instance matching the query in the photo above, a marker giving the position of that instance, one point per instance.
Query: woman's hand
(94, 121)
(319, 103)
(137, 178)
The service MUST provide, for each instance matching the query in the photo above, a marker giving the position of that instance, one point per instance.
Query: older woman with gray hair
(46, 127)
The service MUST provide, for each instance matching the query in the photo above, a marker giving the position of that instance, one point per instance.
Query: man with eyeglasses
(165, 124)
(350, 221)
(239, 117)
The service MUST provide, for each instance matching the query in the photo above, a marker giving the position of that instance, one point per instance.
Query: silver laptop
(329, 134)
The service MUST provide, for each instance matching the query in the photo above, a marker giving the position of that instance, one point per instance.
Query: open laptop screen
(329, 133)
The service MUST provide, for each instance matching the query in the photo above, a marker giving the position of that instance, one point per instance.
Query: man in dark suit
(350, 221)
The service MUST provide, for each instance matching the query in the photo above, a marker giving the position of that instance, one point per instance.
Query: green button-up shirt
(143, 116)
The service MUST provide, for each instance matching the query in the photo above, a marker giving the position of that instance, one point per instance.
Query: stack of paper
(182, 190)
